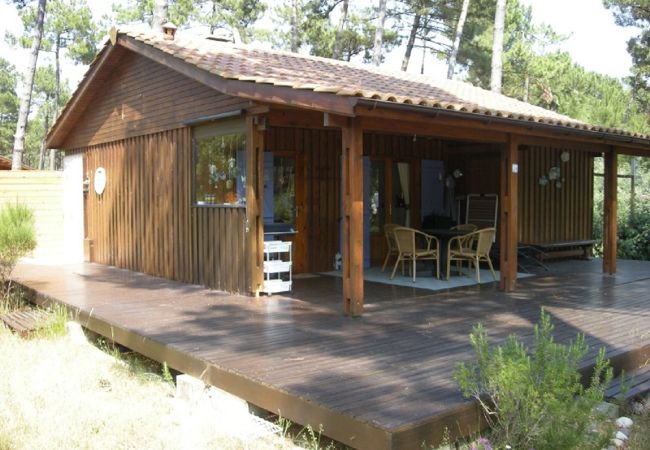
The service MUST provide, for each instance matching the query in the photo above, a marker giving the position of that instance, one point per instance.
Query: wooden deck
(381, 381)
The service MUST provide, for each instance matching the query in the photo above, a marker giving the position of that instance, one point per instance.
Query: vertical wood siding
(143, 97)
(144, 220)
(546, 213)
(320, 150)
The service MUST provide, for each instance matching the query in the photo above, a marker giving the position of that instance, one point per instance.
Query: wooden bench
(564, 249)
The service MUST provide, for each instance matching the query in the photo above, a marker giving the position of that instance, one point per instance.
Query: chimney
(169, 30)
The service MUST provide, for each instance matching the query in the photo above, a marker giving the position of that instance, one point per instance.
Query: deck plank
(380, 381)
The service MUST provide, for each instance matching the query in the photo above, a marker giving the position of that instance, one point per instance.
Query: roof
(304, 73)
(5, 164)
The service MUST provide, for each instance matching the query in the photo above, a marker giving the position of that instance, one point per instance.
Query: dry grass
(640, 438)
(55, 393)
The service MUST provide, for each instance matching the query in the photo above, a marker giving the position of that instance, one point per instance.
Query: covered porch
(381, 381)
(395, 163)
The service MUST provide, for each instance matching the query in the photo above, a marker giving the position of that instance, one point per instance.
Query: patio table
(443, 235)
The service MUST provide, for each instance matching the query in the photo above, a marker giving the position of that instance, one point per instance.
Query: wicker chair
(465, 227)
(481, 244)
(463, 241)
(409, 250)
(391, 245)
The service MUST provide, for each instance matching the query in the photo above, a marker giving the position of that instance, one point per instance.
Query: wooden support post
(609, 216)
(254, 201)
(508, 232)
(352, 188)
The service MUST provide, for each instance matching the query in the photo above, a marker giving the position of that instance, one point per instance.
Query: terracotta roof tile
(327, 76)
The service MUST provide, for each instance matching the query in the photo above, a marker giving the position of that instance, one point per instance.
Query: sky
(595, 42)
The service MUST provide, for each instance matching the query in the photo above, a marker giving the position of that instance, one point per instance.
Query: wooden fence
(43, 193)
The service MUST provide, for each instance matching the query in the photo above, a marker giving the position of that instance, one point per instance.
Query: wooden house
(203, 145)
(5, 164)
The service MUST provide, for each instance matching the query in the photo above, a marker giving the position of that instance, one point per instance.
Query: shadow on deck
(379, 381)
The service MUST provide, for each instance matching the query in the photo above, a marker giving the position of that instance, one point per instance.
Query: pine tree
(26, 97)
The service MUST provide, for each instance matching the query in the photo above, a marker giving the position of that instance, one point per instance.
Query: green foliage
(8, 106)
(17, 237)
(54, 323)
(633, 208)
(236, 16)
(167, 374)
(533, 398)
(13, 299)
(636, 13)
(317, 32)
(141, 11)
(68, 25)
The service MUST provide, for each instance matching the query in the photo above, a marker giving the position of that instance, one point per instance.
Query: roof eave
(598, 136)
(56, 135)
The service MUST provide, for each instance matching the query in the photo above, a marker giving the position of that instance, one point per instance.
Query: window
(376, 200)
(220, 164)
(284, 189)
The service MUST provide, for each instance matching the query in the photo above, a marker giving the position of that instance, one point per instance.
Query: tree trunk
(57, 75)
(213, 27)
(409, 45)
(459, 33)
(497, 46)
(424, 54)
(26, 97)
(295, 33)
(160, 10)
(379, 33)
(526, 88)
(338, 39)
(41, 155)
(57, 91)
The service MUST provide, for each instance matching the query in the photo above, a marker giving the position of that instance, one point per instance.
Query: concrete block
(221, 400)
(75, 333)
(190, 389)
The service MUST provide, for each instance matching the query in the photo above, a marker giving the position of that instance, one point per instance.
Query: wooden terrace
(380, 381)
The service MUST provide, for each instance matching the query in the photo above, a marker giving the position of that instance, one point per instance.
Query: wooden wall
(42, 192)
(144, 220)
(144, 97)
(320, 150)
(546, 213)
(480, 166)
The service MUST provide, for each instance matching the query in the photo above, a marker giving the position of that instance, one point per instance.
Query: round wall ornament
(100, 180)
(565, 156)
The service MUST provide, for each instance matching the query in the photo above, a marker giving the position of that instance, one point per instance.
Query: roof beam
(527, 130)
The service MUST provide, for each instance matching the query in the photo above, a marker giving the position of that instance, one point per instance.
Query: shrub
(17, 237)
(533, 398)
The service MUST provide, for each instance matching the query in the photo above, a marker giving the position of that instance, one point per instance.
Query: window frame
(225, 127)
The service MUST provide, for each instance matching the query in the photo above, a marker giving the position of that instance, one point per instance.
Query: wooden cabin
(5, 164)
(203, 146)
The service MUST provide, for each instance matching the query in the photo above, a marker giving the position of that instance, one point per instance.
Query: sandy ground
(61, 394)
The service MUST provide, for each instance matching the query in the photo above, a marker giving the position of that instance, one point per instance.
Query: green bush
(533, 398)
(17, 237)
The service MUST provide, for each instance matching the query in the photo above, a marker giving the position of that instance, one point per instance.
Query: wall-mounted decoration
(565, 156)
(554, 173)
(100, 180)
(543, 180)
